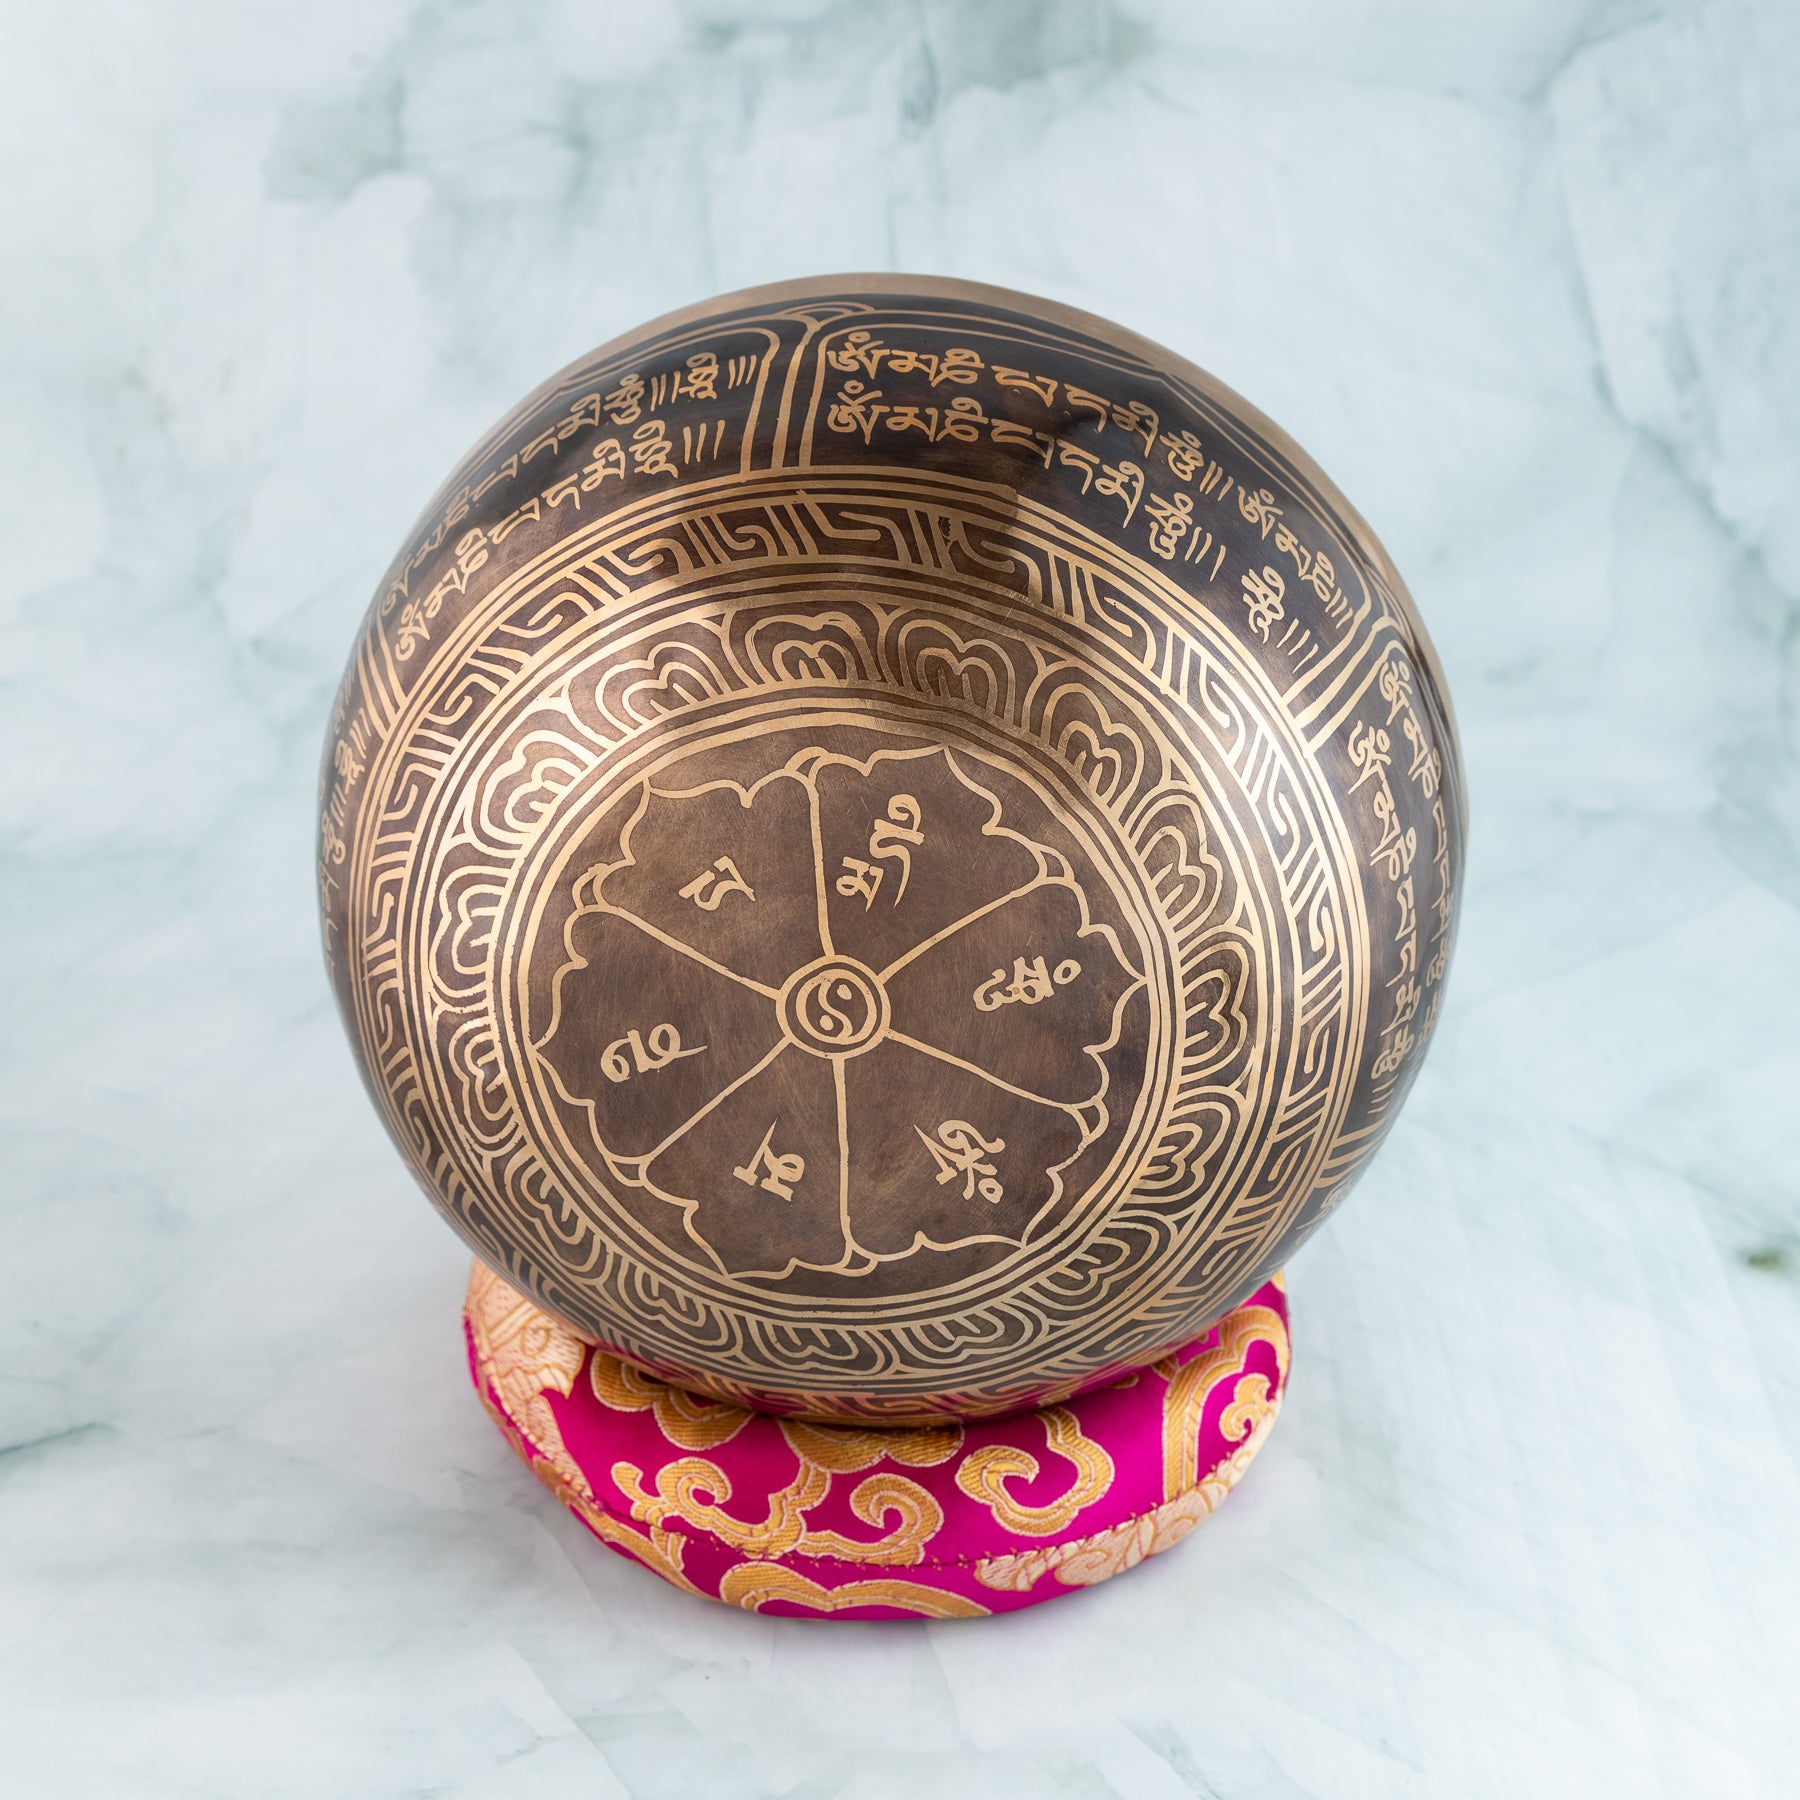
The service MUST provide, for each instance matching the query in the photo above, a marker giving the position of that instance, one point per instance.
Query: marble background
(1523, 277)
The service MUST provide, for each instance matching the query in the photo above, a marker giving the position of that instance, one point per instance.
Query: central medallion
(842, 1021)
(835, 1007)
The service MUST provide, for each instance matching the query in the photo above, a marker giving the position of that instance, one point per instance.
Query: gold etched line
(969, 1068)
(750, 1074)
(782, 527)
(384, 701)
(1375, 647)
(1344, 651)
(843, 1124)
(790, 387)
(1042, 879)
(688, 950)
(707, 540)
(818, 838)
(747, 433)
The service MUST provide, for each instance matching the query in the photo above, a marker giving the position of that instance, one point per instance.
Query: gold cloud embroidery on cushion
(696, 1492)
(523, 1355)
(873, 1501)
(1227, 1475)
(680, 1485)
(687, 1420)
(1184, 1405)
(752, 1585)
(985, 1474)
(847, 1450)
(1086, 1562)
(1251, 1410)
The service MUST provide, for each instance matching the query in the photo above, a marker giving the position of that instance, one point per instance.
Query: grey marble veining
(1524, 277)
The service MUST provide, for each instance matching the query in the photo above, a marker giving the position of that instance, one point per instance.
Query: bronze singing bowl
(889, 848)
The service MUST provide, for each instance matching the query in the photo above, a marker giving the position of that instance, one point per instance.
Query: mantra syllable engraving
(886, 854)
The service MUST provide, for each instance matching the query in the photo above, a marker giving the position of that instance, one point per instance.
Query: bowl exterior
(888, 850)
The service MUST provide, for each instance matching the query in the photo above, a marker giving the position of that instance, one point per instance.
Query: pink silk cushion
(856, 1522)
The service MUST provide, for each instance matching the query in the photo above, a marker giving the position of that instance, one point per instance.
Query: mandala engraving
(752, 1082)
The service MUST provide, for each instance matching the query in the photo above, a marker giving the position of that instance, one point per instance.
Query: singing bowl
(888, 849)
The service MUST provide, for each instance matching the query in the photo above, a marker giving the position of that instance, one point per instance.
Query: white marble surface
(1525, 276)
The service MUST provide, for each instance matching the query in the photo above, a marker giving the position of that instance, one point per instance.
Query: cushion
(786, 1516)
